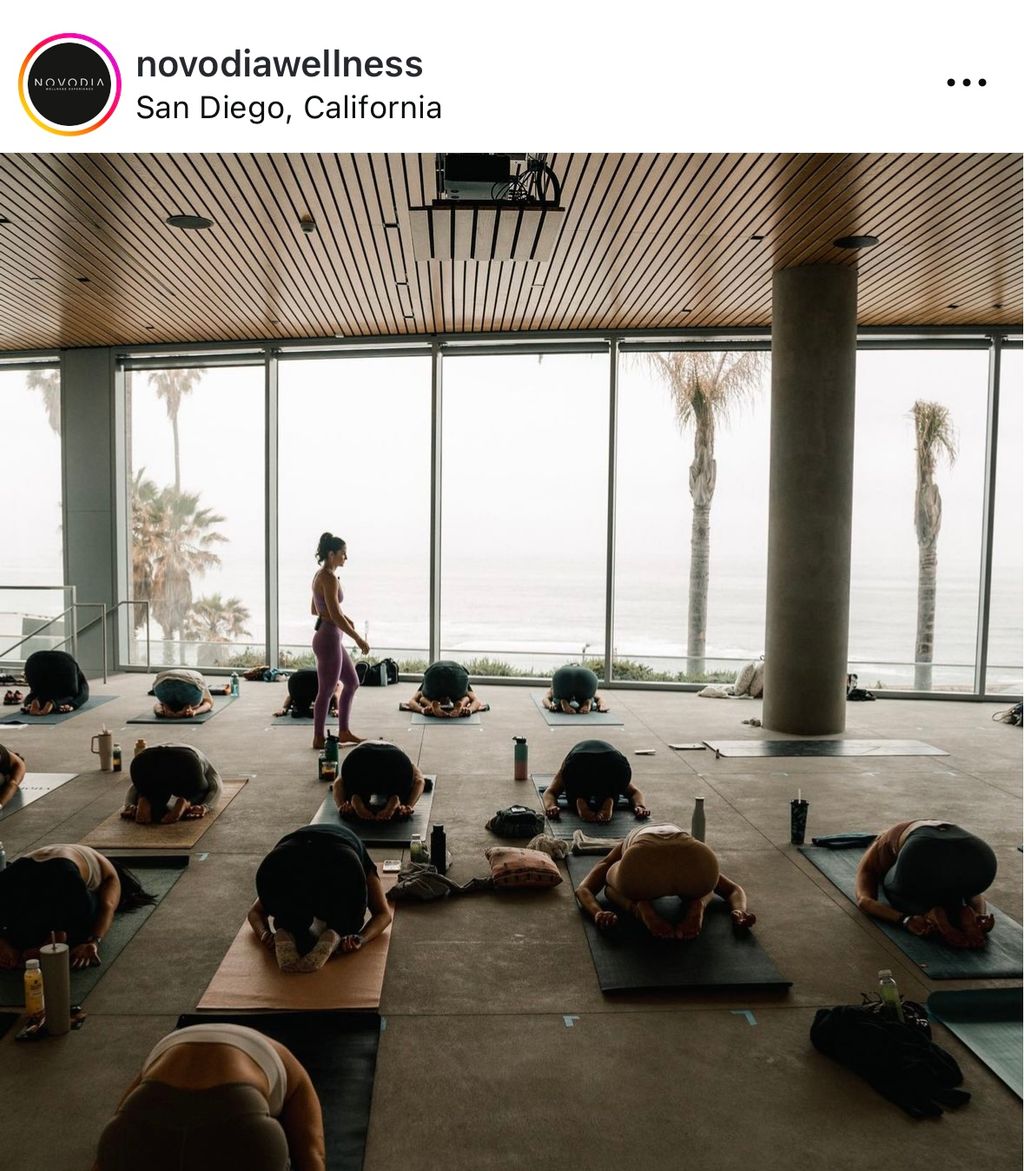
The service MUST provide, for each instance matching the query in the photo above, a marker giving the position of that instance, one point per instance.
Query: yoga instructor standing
(332, 661)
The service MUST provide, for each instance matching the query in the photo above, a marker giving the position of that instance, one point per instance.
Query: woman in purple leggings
(332, 661)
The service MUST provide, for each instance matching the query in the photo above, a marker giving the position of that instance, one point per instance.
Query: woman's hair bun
(329, 543)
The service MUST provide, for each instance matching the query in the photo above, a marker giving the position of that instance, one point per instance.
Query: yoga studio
(511, 661)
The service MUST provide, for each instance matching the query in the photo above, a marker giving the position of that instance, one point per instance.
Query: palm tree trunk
(177, 454)
(927, 565)
(700, 565)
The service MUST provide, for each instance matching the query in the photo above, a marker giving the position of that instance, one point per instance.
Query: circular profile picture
(69, 84)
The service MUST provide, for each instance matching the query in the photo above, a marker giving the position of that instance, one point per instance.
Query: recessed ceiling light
(402, 284)
(758, 238)
(151, 327)
(39, 278)
(339, 335)
(4, 219)
(685, 310)
(389, 225)
(856, 242)
(188, 222)
(998, 305)
(953, 306)
(82, 280)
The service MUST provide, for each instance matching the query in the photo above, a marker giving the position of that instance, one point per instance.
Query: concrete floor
(499, 1050)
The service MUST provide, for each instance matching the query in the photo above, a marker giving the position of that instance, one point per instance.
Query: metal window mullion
(609, 585)
(270, 503)
(988, 516)
(124, 627)
(436, 397)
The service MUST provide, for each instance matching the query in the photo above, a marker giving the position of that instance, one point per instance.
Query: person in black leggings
(302, 689)
(55, 682)
(171, 782)
(592, 776)
(377, 769)
(573, 691)
(317, 885)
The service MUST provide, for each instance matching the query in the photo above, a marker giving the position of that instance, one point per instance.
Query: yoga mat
(249, 978)
(117, 834)
(220, 702)
(157, 876)
(288, 720)
(988, 1021)
(434, 721)
(621, 823)
(1001, 956)
(560, 719)
(339, 1052)
(18, 717)
(823, 748)
(629, 959)
(34, 786)
(382, 833)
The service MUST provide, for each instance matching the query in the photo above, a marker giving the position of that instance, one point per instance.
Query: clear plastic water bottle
(890, 994)
(234, 683)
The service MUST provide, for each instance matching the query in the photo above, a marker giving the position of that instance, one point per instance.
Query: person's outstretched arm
(591, 887)
(260, 924)
(15, 772)
(108, 895)
(301, 1117)
(736, 897)
(377, 905)
(417, 703)
(636, 799)
(548, 701)
(214, 784)
(869, 875)
(416, 792)
(550, 797)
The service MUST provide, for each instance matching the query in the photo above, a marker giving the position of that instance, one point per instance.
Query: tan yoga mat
(117, 834)
(249, 978)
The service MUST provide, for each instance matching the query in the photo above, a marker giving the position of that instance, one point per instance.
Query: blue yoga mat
(988, 1021)
(220, 702)
(17, 716)
(560, 719)
(1002, 956)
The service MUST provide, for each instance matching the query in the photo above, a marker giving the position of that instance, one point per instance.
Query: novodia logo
(69, 84)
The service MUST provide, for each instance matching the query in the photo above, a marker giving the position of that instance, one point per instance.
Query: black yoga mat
(288, 720)
(157, 876)
(6, 1020)
(629, 959)
(621, 823)
(560, 719)
(823, 748)
(220, 702)
(988, 1021)
(34, 786)
(1001, 957)
(382, 833)
(18, 717)
(339, 1052)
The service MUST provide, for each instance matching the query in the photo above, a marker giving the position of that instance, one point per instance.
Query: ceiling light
(82, 280)
(856, 242)
(307, 224)
(4, 219)
(757, 238)
(188, 222)
(954, 306)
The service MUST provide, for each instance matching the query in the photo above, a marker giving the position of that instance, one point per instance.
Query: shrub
(413, 666)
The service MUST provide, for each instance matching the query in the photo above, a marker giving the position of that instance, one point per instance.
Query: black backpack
(516, 822)
(899, 1059)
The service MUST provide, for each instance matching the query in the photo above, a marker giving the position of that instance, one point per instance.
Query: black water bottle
(439, 849)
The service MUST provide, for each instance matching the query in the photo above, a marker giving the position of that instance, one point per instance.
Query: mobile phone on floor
(392, 865)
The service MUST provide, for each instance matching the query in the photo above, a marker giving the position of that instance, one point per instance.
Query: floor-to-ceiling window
(917, 516)
(196, 512)
(30, 520)
(524, 510)
(1004, 673)
(691, 513)
(354, 460)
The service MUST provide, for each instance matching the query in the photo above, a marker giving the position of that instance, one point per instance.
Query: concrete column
(814, 351)
(87, 408)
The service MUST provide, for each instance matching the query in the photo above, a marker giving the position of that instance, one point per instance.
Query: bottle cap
(31, 965)
(884, 973)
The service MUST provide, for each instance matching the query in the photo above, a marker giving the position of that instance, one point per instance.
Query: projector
(473, 177)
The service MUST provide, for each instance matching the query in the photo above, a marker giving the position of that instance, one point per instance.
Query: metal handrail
(32, 633)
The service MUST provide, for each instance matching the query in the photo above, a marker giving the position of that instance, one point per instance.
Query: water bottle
(890, 994)
(439, 849)
(116, 759)
(234, 683)
(35, 1005)
(140, 746)
(697, 820)
(417, 848)
(520, 758)
(3, 856)
(331, 748)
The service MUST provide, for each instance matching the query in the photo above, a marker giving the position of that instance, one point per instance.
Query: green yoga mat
(383, 833)
(94, 701)
(560, 719)
(1001, 957)
(629, 959)
(988, 1021)
(621, 823)
(157, 876)
(220, 702)
(339, 1052)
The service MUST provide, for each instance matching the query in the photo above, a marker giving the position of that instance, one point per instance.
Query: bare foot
(689, 926)
(604, 814)
(319, 953)
(660, 928)
(319, 742)
(286, 951)
(349, 738)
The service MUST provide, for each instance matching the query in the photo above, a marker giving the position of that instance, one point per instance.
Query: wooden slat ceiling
(646, 242)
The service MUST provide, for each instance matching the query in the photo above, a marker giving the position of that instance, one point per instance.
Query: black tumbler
(797, 821)
(439, 849)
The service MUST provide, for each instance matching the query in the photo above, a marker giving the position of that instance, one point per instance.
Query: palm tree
(172, 386)
(172, 540)
(936, 437)
(47, 382)
(705, 387)
(213, 620)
